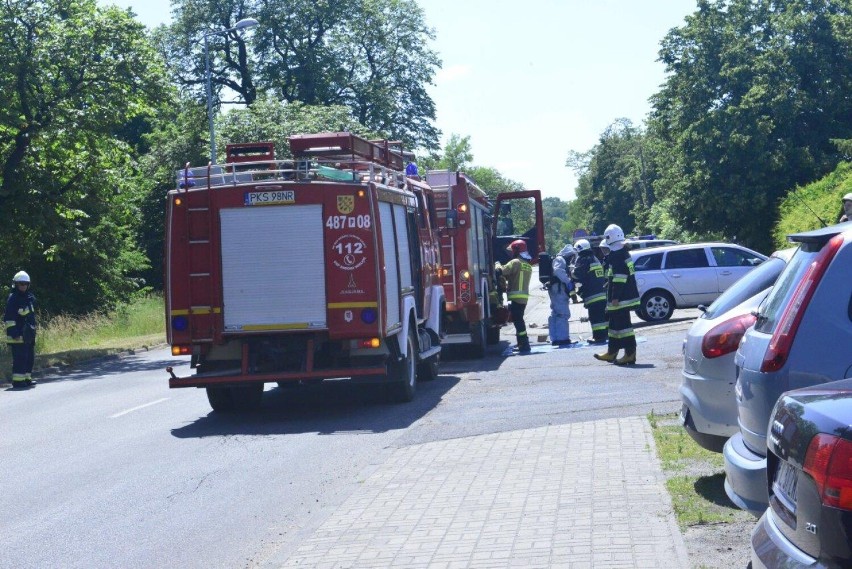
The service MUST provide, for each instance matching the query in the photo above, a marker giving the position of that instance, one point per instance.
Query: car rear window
(773, 306)
(746, 287)
(648, 262)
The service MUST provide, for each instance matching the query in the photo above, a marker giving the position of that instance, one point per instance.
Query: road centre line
(117, 415)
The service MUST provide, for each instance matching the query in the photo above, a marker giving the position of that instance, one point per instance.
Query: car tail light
(725, 337)
(782, 339)
(829, 462)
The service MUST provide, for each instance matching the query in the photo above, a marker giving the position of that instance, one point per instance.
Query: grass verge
(695, 477)
(66, 340)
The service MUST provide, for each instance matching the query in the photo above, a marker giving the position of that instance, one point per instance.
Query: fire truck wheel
(478, 339)
(220, 399)
(247, 397)
(405, 381)
(428, 370)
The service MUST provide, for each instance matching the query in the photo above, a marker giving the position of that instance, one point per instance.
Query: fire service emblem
(345, 204)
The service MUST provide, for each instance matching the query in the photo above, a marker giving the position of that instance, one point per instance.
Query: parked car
(709, 412)
(684, 276)
(809, 465)
(802, 337)
(647, 242)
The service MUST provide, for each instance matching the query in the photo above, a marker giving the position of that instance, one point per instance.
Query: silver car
(802, 337)
(683, 276)
(709, 412)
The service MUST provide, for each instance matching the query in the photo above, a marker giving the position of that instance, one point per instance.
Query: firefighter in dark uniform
(518, 273)
(21, 330)
(622, 297)
(589, 274)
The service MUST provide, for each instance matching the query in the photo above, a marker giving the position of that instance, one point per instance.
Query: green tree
(756, 91)
(73, 76)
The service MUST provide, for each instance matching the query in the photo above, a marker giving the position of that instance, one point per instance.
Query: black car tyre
(478, 339)
(427, 370)
(656, 306)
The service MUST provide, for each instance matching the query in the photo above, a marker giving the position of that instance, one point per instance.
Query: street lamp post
(241, 25)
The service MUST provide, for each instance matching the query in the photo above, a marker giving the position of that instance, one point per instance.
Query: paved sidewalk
(578, 495)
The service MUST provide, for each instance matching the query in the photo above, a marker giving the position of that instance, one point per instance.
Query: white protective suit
(560, 300)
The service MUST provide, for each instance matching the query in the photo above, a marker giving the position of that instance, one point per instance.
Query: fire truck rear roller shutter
(273, 271)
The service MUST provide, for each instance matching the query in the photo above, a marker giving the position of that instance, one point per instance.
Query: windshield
(749, 285)
(773, 306)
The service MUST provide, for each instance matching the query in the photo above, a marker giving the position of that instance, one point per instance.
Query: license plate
(786, 479)
(272, 197)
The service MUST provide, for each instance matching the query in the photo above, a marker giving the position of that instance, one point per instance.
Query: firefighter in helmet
(622, 297)
(518, 272)
(21, 329)
(589, 274)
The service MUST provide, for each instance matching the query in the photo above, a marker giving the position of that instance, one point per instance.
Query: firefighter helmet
(613, 234)
(848, 197)
(21, 277)
(582, 245)
(517, 246)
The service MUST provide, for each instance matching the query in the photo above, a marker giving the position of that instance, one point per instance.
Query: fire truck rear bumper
(372, 374)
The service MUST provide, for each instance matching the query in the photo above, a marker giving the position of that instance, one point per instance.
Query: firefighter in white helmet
(589, 274)
(847, 208)
(622, 297)
(21, 329)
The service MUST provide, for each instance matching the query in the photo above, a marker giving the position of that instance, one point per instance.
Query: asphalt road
(108, 467)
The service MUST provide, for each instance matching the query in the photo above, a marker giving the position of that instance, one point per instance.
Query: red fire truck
(474, 233)
(324, 266)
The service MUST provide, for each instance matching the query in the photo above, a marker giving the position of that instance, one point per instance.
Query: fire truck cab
(474, 233)
(324, 266)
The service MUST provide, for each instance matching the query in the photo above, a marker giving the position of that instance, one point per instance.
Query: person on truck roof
(518, 273)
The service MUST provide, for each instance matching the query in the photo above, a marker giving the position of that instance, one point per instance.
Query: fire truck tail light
(361, 193)
(178, 201)
(462, 207)
(181, 350)
(180, 323)
(368, 315)
(370, 343)
(464, 285)
(465, 275)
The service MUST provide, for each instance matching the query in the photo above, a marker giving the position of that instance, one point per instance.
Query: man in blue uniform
(21, 329)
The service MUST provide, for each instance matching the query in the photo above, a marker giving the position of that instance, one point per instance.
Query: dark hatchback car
(809, 466)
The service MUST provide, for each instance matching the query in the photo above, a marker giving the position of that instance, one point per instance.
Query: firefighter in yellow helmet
(21, 329)
(622, 297)
(518, 273)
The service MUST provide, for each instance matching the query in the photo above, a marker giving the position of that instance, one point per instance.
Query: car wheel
(220, 399)
(656, 306)
(247, 397)
(478, 339)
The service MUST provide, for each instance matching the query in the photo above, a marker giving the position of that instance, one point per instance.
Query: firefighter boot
(524, 345)
(628, 359)
(608, 356)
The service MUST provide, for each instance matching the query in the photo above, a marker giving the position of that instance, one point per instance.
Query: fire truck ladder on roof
(198, 259)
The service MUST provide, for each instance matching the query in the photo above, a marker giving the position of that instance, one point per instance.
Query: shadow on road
(325, 409)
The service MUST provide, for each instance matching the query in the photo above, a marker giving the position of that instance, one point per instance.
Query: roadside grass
(67, 340)
(695, 477)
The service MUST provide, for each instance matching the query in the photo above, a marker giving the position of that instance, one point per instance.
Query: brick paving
(577, 495)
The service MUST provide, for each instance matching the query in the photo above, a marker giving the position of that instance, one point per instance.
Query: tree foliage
(369, 56)
(755, 93)
(74, 77)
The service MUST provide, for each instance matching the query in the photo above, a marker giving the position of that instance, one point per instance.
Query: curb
(51, 373)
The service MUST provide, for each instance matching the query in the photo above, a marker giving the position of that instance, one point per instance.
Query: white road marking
(139, 407)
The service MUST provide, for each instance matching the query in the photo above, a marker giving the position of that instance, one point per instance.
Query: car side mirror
(702, 308)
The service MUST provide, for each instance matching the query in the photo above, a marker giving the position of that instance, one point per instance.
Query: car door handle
(726, 273)
(675, 275)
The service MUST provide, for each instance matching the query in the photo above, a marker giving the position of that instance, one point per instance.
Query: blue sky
(531, 81)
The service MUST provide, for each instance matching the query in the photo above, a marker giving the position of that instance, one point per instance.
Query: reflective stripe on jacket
(622, 281)
(518, 273)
